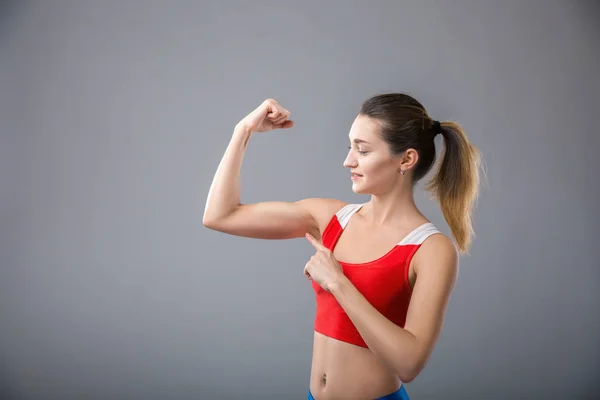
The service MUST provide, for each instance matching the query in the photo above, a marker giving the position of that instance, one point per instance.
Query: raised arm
(224, 211)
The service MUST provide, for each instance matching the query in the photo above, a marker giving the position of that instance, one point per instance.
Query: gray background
(114, 116)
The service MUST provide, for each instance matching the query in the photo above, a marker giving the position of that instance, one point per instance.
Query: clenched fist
(268, 116)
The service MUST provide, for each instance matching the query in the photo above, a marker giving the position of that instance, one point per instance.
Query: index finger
(315, 242)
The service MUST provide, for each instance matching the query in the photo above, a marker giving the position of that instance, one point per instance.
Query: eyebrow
(358, 141)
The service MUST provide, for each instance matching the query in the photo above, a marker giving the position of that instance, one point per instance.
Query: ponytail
(455, 183)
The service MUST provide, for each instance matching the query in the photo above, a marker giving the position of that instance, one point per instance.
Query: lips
(353, 175)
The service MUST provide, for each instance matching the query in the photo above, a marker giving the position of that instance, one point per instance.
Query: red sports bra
(383, 282)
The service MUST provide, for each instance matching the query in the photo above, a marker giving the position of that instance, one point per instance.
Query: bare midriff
(342, 370)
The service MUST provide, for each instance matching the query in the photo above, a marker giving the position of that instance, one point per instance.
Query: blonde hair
(455, 184)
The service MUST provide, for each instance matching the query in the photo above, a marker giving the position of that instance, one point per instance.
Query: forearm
(391, 344)
(224, 192)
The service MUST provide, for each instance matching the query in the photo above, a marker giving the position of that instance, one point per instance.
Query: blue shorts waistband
(399, 394)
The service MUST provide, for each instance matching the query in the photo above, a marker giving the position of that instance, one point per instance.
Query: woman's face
(373, 169)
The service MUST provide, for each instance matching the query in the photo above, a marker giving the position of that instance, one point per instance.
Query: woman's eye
(362, 152)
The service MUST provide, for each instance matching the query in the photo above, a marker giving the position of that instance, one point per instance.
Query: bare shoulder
(322, 209)
(437, 252)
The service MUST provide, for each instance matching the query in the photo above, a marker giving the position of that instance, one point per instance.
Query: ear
(408, 160)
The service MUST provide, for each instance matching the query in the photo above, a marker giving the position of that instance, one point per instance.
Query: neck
(395, 207)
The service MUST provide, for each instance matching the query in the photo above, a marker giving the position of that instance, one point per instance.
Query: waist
(344, 370)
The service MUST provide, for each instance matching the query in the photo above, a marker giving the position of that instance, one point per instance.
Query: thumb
(285, 124)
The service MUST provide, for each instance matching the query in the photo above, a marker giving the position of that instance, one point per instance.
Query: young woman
(382, 273)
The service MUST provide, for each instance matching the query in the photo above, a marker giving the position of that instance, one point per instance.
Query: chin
(359, 190)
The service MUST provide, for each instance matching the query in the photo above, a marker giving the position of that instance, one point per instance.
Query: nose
(350, 161)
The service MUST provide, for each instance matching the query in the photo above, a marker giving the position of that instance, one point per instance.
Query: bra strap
(419, 234)
(344, 214)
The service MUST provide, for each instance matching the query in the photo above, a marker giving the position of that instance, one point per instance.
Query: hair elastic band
(437, 128)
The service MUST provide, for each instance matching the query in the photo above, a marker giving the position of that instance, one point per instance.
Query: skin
(394, 354)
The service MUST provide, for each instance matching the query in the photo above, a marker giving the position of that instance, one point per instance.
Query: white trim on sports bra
(416, 237)
(419, 234)
(344, 214)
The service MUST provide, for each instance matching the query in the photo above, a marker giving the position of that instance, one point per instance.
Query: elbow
(410, 372)
(408, 377)
(214, 219)
(208, 222)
